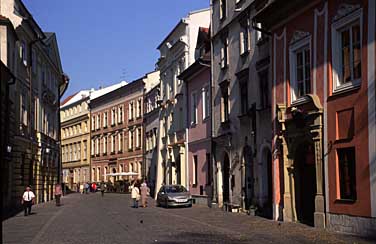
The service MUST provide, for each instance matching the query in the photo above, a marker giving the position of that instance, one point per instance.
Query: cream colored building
(177, 52)
(33, 58)
(75, 139)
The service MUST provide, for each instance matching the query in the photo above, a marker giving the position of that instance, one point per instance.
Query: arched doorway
(305, 183)
(226, 179)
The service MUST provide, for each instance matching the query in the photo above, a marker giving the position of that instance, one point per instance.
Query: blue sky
(104, 41)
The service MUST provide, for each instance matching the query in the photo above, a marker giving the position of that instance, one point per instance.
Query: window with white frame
(113, 143)
(205, 102)
(105, 119)
(138, 138)
(346, 51)
(113, 116)
(98, 173)
(120, 114)
(85, 150)
(130, 110)
(130, 140)
(92, 147)
(97, 146)
(300, 68)
(98, 124)
(194, 108)
(120, 142)
(93, 123)
(104, 145)
(139, 108)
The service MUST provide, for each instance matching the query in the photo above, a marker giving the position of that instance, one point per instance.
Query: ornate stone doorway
(300, 143)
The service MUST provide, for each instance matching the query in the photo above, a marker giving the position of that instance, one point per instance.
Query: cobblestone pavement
(91, 219)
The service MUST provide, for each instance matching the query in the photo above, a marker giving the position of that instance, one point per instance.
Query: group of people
(139, 192)
(86, 187)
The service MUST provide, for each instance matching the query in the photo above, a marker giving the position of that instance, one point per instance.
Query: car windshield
(175, 189)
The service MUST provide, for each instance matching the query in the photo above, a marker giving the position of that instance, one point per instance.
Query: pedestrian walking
(58, 193)
(135, 194)
(87, 186)
(94, 187)
(82, 189)
(145, 192)
(103, 188)
(28, 199)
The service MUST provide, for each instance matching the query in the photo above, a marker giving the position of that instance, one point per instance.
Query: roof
(181, 21)
(103, 91)
(67, 99)
(75, 98)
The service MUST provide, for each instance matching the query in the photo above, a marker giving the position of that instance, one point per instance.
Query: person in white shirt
(28, 200)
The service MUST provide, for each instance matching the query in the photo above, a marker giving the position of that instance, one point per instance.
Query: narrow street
(90, 219)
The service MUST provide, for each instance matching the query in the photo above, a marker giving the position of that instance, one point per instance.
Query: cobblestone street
(91, 219)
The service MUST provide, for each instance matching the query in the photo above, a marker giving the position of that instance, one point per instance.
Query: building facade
(241, 109)
(151, 125)
(177, 52)
(197, 81)
(75, 139)
(323, 104)
(33, 58)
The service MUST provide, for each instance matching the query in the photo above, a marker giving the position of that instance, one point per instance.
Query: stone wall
(352, 224)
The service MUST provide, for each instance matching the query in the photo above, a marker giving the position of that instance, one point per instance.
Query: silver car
(174, 196)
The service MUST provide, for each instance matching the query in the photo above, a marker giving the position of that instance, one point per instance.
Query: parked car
(174, 196)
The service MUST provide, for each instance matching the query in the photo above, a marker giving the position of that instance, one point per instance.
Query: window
(224, 52)
(346, 168)
(194, 108)
(243, 85)
(300, 68)
(120, 118)
(97, 146)
(139, 108)
(244, 37)
(264, 89)
(23, 53)
(85, 150)
(120, 142)
(23, 112)
(139, 137)
(113, 116)
(113, 143)
(205, 102)
(104, 145)
(194, 170)
(130, 140)
(130, 110)
(105, 119)
(79, 151)
(98, 124)
(93, 123)
(92, 147)
(346, 51)
(224, 103)
(98, 173)
(222, 9)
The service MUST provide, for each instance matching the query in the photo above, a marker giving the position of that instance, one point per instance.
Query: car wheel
(166, 203)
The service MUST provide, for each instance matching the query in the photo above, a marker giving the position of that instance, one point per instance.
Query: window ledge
(348, 87)
(300, 101)
(345, 201)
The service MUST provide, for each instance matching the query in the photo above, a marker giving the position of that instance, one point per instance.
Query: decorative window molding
(348, 17)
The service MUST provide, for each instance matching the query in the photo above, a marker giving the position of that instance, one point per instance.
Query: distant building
(177, 52)
(75, 139)
(33, 145)
(196, 78)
